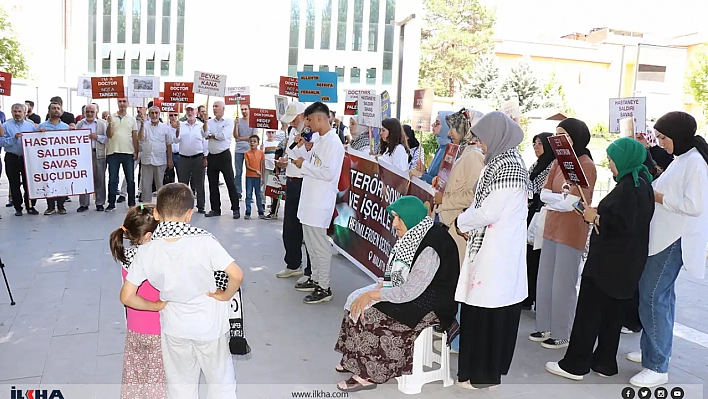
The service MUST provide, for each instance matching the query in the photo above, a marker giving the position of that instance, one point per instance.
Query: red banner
(568, 160)
(237, 99)
(422, 110)
(288, 86)
(107, 87)
(179, 92)
(263, 119)
(446, 166)
(167, 107)
(6, 83)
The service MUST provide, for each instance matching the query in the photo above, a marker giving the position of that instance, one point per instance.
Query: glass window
(310, 25)
(387, 68)
(358, 22)
(371, 76)
(292, 56)
(137, 6)
(342, 25)
(326, 25)
(106, 67)
(307, 68)
(294, 23)
(340, 74)
(374, 26)
(292, 70)
(107, 21)
(355, 75)
(92, 35)
(166, 16)
(389, 28)
(179, 64)
(120, 67)
(165, 68)
(135, 67)
(150, 67)
(152, 11)
(121, 21)
(324, 68)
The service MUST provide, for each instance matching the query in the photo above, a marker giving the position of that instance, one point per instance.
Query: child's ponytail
(116, 244)
(138, 221)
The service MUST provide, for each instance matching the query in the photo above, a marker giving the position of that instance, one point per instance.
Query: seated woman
(382, 321)
(360, 137)
(618, 252)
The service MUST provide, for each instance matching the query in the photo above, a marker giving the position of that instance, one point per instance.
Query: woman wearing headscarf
(677, 238)
(414, 146)
(657, 158)
(360, 137)
(440, 130)
(382, 321)
(616, 259)
(492, 281)
(565, 236)
(538, 173)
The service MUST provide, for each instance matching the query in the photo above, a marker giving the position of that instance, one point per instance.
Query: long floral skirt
(378, 347)
(143, 371)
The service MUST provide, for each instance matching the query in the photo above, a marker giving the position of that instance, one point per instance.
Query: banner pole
(371, 142)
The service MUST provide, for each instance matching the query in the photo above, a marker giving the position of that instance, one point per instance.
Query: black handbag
(169, 176)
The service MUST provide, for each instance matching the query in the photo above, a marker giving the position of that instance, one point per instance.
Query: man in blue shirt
(54, 123)
(14, 160)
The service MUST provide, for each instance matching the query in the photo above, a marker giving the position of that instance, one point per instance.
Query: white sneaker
(437, 345)
(649, 379)
(285, 273)
(635, 357)
(303, 279)
(554, 368)
(626, 330)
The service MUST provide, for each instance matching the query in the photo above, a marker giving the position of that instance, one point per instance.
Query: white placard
(369, 109)
(58, 163)
(353, 95)
(136, 102)
(512, 108)
(630, 107)
(83, 87)
(234, 90)
(281, 104)
(210, 84)
(143, 87)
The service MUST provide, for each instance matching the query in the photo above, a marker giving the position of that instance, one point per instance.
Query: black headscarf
(681, 128)
(546, 158)
(412, 141)
(579, 133)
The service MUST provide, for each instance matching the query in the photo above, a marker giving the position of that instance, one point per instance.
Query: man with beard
(14, 159)
(36, 119)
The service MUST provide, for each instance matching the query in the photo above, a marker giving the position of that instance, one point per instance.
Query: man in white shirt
(98, 150)
(156, 145)
(319, 194)
(219, 131)
(174, 117)
(294, 148)
(193, 154)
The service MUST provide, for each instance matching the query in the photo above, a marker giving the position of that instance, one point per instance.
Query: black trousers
(631, 316)
(532, 259)
(191, 173)
(292, 228)
(597, 317)
(15, 171)
(221, 164)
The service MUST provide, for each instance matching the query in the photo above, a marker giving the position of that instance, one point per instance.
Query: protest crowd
(491, 237)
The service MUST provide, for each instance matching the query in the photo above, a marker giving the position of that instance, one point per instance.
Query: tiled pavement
(68, 324)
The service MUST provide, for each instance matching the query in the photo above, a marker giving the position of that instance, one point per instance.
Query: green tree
(12, 57)
(697, 80)
(553, 96)
(454, 34)
(522, 83)
(484, 82)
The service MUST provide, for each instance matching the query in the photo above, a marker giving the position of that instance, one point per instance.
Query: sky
(554, 18)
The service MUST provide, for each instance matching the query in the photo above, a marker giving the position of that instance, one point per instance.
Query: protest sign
(511, 108)
(263, 119)
(83, 87)
(210, 84)
(350, 100)
(422, 109)
(238, 95)
(288, 86)
(143, 86)
(58, 163)
(167, 107)
(385, 105)
(369, 109)
(179, 92)
(627, 127)
(281, 104)
(317, 86)
(136, 102)
(362, 228)
(630, 107)
(5, 83)
(568, 160)
(275, 187)
(107, 87)
(448, 162)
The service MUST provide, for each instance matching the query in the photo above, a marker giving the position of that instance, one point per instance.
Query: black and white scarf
(401, 259)
(506, 170)
(538, 181)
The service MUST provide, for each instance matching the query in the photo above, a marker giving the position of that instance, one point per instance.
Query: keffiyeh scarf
(506, 170)
(401, 259)
(538, 182)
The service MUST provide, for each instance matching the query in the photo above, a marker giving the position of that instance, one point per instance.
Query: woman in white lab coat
(394, 145)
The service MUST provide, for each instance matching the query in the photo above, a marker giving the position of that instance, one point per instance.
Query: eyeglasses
(174, 114)
(244, 109)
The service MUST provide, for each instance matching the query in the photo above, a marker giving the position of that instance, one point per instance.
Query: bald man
(98, 150)
(219, 131)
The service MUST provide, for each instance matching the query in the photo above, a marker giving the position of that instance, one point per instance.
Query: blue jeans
(238, 172)
(115, 161)
(657, 307)
(455, 344)
(253, 184)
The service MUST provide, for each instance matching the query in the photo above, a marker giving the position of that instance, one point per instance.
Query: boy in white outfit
(180, 262)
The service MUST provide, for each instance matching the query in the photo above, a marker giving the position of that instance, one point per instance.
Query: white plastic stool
(423, 355)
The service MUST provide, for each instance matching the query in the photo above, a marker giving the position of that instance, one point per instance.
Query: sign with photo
(448, 162)
(422, 110)
(107, 87)
(630, 107)
(275, 187)
(350, 100)
(179, 92)
(83, 87)
(209, 84)
(281, 104)
(143, 86)
(317, 86)
(238, 95)
(288, 86)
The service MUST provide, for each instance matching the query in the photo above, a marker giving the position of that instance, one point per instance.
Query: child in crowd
(270, 145)
(180, 261)
(255, 161)
(143, 372)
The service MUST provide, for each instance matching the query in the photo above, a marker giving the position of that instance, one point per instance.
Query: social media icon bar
(661, 393)
(628, 393)
(677, 393)
(644, 393)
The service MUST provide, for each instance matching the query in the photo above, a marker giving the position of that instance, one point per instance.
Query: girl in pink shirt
(143, 371)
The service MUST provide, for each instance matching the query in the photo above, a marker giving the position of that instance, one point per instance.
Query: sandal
(352, 385)
(340, 369)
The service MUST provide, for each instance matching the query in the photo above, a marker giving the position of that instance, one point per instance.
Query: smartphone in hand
(579, 206)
